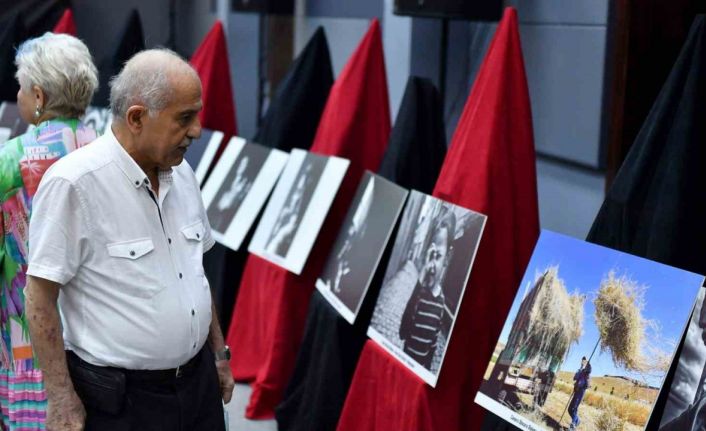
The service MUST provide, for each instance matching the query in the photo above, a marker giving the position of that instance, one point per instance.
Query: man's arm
(215, 339)
(65, 411)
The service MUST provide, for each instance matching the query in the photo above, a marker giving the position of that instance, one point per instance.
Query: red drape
(270, 313)
(211, 62)
(66, 24)
(490, 168)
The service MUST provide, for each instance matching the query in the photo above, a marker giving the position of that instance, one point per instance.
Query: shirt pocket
(136, 266)
(193, 233)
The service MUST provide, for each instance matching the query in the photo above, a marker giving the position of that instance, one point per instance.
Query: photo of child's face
(435, 259)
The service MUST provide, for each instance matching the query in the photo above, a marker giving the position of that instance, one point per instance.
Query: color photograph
(238, 187)
(297, 209)
(360, 244)
(424, 282)
(588, 340)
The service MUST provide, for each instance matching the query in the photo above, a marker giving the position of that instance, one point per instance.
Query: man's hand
(65, 412)
(225, 378)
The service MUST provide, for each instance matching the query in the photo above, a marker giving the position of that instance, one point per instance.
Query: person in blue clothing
(582, 380)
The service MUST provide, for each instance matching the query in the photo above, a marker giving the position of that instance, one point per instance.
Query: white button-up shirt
(134, 294)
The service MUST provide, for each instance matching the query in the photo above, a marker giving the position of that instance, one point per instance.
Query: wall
(564, 51)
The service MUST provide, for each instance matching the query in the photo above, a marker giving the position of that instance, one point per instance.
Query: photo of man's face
(435, 259)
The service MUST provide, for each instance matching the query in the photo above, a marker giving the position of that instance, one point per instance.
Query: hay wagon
(548, 322)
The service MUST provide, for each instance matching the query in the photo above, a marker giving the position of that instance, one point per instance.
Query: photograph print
(99, 119)
(424, 282)
(588, 340)
(11, 124)
(203, 150)
(295, 213)
(363, 237)
(685, 409)
(238, 187)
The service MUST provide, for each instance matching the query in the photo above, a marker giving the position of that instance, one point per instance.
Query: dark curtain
(655, 207)
(331, 346)
(127, 44)
(21, 20)
(290, 122)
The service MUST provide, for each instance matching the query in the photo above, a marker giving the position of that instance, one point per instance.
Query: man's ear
(134, 118)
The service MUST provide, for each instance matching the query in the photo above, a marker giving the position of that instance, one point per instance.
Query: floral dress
(23, 161)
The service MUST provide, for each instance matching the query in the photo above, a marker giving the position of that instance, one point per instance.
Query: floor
(236, 413)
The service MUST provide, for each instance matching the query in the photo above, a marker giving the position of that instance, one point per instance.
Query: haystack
(618, 315)
(555, 321)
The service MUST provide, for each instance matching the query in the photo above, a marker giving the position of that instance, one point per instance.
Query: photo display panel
(424, 282)
(203, 150)
(360, 244)
(297, 209)
(11, 124)
(589, 338)
(238, 187)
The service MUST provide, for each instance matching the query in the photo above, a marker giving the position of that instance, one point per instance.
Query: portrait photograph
(360, 244)
(99, 119)
(11, 125)
(237, 188)
(202, 151)
(589, 338)
(684, 409)
(297, 209)
(424, 282)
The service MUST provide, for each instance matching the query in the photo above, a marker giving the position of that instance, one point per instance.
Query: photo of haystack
(588, 340)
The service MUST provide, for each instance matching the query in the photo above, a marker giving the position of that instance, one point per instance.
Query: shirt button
(193, 312)
(198, 236)
(170, 240)
(180, 275)
(137, 183)
(194, 345)
(132, 252)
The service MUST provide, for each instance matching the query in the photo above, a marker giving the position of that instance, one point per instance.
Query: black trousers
(161, 402)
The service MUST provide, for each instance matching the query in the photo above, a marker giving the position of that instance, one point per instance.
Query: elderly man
(117, 235)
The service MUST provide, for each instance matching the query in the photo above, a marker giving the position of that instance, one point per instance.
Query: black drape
(21, 20)
(11, 35)
(331, 346)
(290, 122)
(656, 207)
(127, 44)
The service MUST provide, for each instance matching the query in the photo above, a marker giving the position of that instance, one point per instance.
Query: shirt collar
(133, 172)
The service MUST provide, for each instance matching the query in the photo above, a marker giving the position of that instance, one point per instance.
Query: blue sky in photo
(669, 296)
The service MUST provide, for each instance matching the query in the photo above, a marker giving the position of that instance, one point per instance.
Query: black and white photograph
(238, 187)
(424, 282)
(297, 209)
(11, 125)
(99, 119)
(684, 409)
(360, 244)
(203, 150)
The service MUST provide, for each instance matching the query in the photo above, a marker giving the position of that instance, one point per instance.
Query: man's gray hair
(145, 80)
(62, 67)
